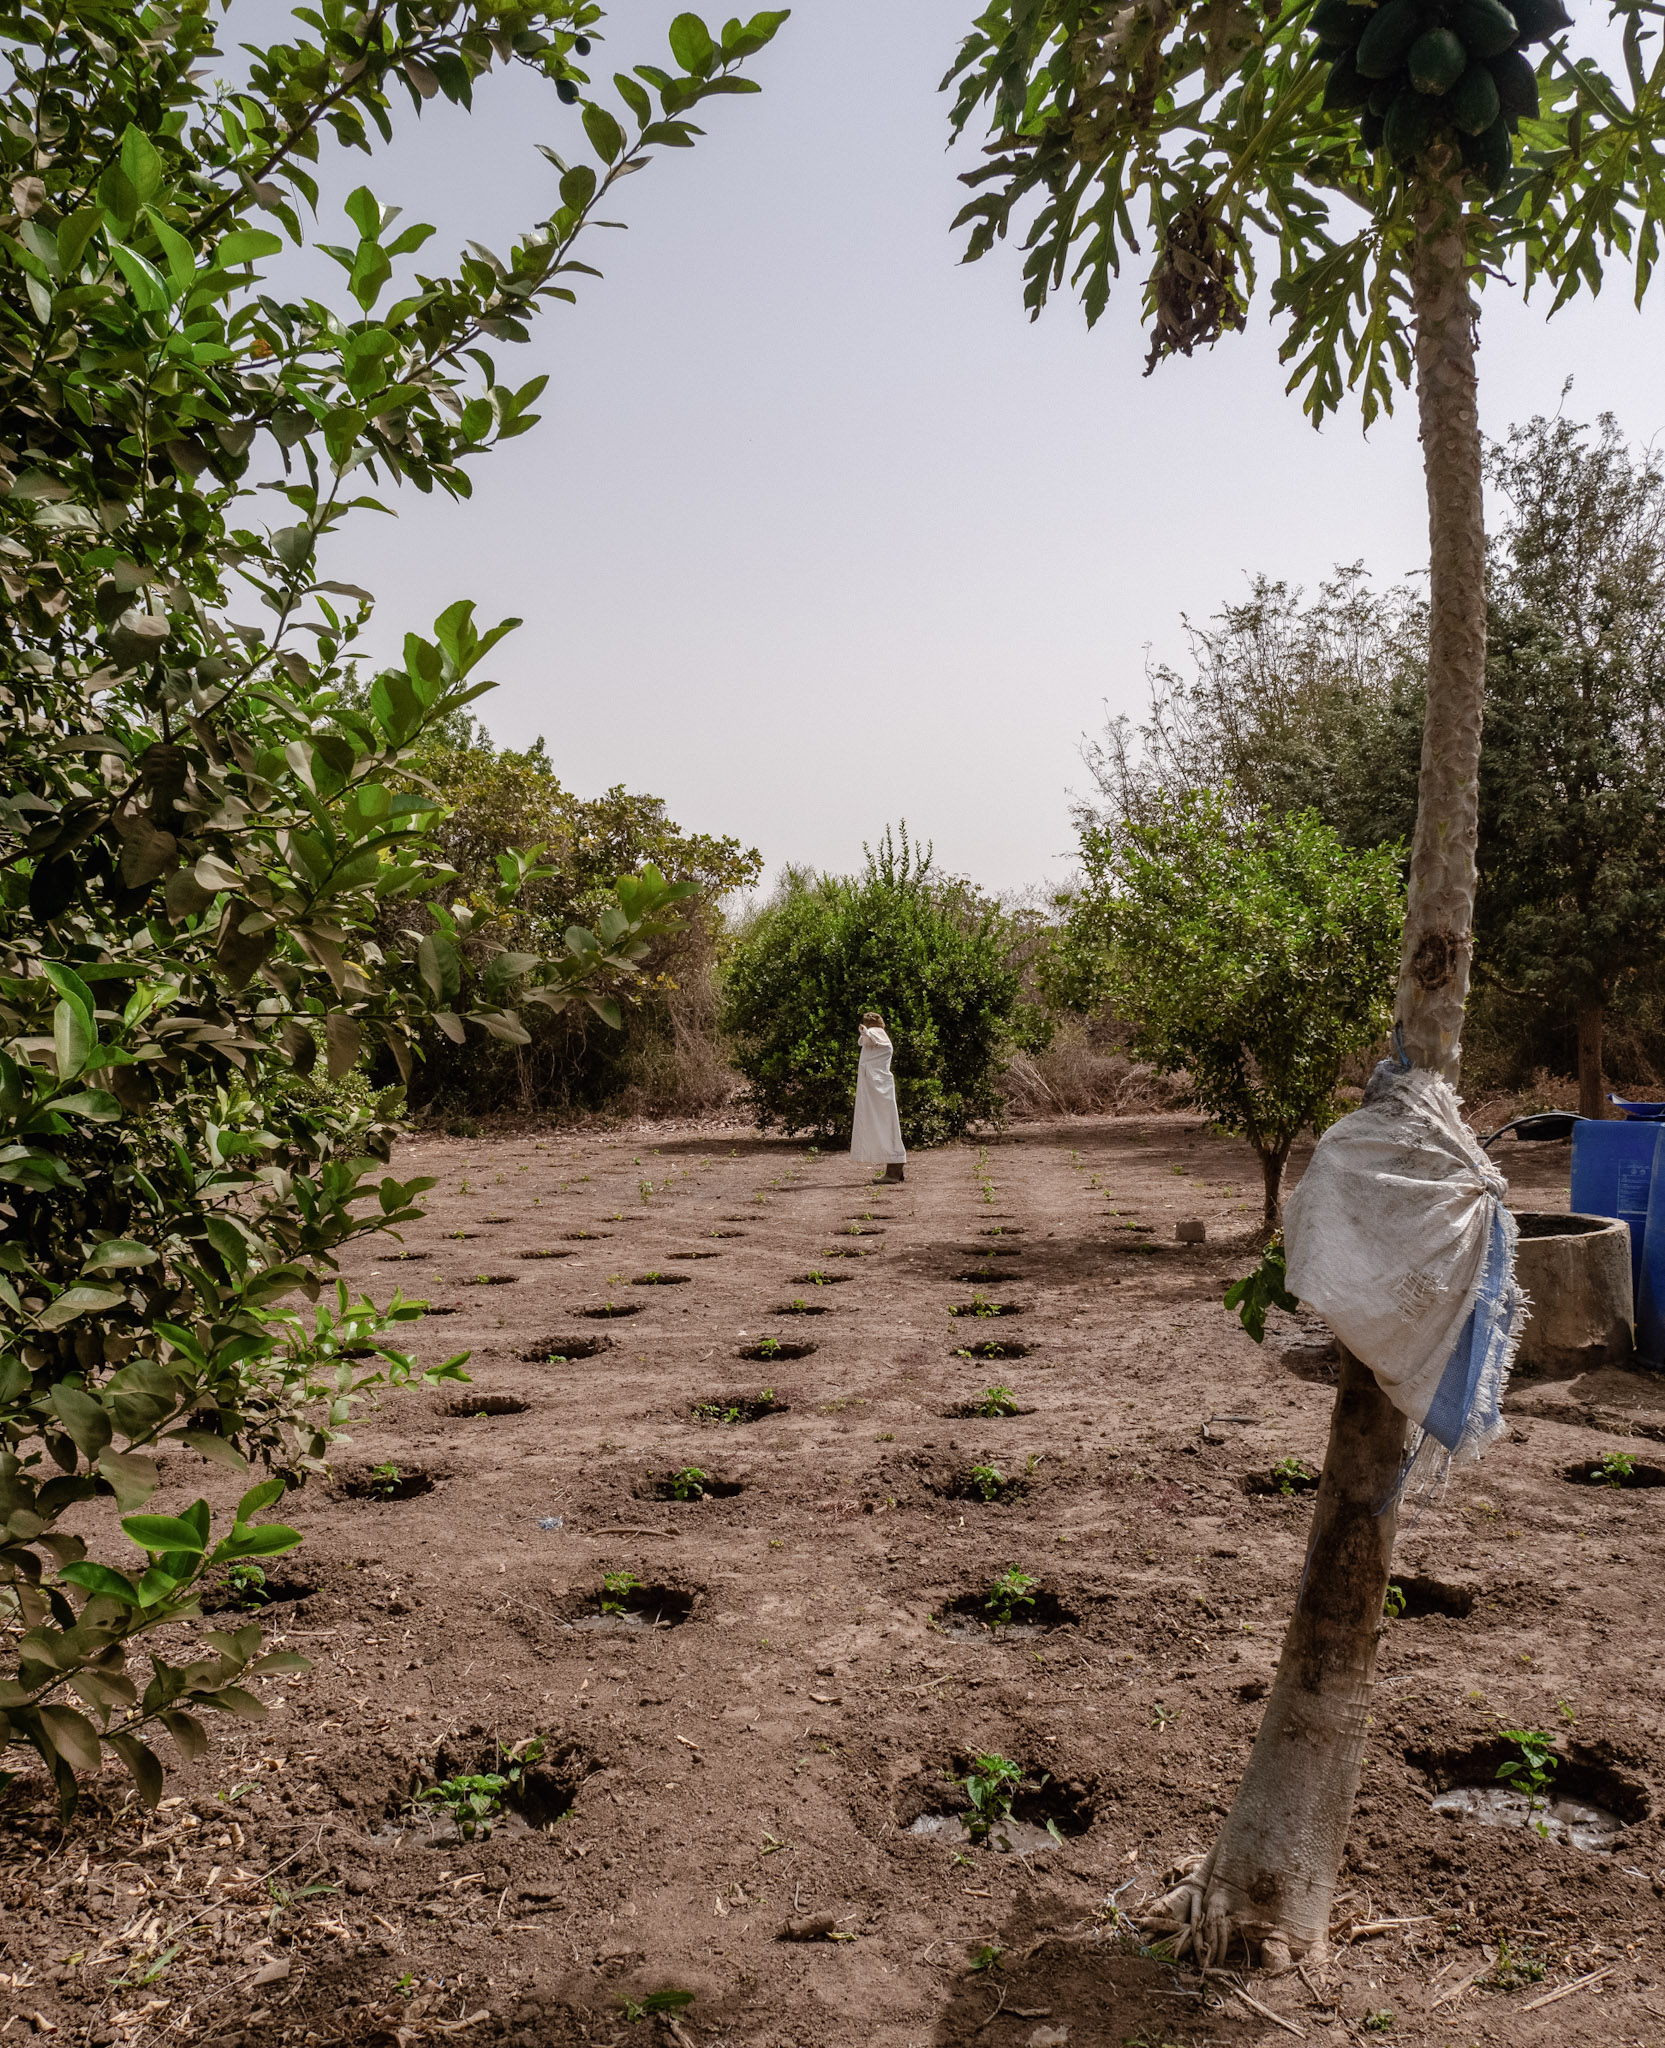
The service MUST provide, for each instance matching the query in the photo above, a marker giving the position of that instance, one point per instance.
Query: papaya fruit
(1383, 94)
(1540, 19)
(1489, 155)
(1386, 43)
(1473, 102)
(1410, 123)
(1437, 61)
(1517, 84)
(1370, 127)
(1344, 87)
(1485, 28)
(1340, 23)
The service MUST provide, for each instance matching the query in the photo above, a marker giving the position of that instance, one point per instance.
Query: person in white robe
(876, 1139)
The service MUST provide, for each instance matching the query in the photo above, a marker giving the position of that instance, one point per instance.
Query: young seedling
(987, 1481)
(474, 1800)
(247, 1583)
(1393, 1605)
(1515, 1967)
(1617, 1468)
(1290, 1474)
(1531, 1771)
(769, 1347)
(616, 1589)
(688, 1484)
(986, 1956)
(1164, 1717)
(1007, 1596)
(990, 1785)
(996, 1401)
(384, 1480)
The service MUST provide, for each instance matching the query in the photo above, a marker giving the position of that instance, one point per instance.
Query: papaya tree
(222, 886)
(1384, 161)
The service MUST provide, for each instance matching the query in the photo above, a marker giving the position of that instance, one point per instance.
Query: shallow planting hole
(622, 1601)
(985, 1484)
(973, 1274)
(489, 1280)
(984, 1800)
(562, 1349)
(548, 1251)
(474, 1405)
(404, 1258)
(823, 1279)
(725, 1233)
(994, 1347)
(693, 1255)
(1284, 1480)
(661, 1280)
(983, 1409)
(1576, 1797)
(531, 1784)
(731, 1410)
(978, 1307)
(801, 1308)
(612, 1308)
(1415, 1598)
(692, 1483)
(771, 1348)
(1033, 1610)
(386, 1482)
(250, 1587)
(995, 1251)
(585, 1236)
(442, 1308)
(1003, 1230)
(1618, 1470)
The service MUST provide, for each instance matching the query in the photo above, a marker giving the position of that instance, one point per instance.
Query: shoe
(896, 1173)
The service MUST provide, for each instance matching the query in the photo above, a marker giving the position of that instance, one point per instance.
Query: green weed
(1291, 1473)
(384, 1479)
(985, 1957)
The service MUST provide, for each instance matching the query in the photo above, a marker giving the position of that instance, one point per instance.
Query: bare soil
(755, 1747)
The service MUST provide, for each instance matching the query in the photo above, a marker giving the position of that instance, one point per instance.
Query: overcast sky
(820, 530)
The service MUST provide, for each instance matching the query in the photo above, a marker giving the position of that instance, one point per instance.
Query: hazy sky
(820, 531)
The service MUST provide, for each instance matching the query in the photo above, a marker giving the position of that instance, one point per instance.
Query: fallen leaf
(275, 1972)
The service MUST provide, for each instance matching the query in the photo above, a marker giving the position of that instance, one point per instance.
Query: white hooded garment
(876, 1139)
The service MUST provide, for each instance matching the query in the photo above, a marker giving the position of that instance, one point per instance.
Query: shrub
(1256, 955)
(934, 957)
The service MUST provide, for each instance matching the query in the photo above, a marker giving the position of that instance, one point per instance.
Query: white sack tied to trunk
(1398, 1236)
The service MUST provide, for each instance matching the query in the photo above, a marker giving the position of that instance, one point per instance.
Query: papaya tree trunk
(1271, 1876)
(1592, 1096)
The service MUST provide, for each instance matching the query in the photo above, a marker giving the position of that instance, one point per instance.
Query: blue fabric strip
(1449, 1411)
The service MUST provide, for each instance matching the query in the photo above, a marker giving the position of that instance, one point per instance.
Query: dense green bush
(939, 962)
(664, 1051)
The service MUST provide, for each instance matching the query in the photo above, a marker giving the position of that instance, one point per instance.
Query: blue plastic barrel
(1612, 1175)
(1650, 1296)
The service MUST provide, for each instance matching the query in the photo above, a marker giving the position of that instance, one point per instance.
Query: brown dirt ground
(755, 1744)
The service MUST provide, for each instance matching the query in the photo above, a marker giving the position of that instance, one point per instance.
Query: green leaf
(73, 1037)
(606, 136)
(691, 44)
(145, 281)
(84, 1420)
(188, 1732)
(101, 1579)
(73, 1736)
(263, 1539)
(95, 1105)
(245, 245)
(141, 1763)
(140, 163)
(161, 1533)
(258, 1497)
(117, 1252)
(79, 1300)
(130, 1477)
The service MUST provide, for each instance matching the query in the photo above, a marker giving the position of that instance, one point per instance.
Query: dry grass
(1075, 1077)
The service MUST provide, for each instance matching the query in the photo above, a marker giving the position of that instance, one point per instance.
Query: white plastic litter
(1398, 1236)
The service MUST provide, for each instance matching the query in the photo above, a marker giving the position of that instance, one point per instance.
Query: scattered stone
(1193, 1232)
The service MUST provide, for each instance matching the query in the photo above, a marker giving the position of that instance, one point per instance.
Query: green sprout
(384, 1479)
(688, 1484)
(996, 1401)
(1531, 1771)
(990, 1785)
(986, 1957)
(1617, 1468)
(988, 1482)
(247, 1583)
(616, 1589)
(474, 1800)
(656, 2002)
(1007, 1595)
(1393, 1605)
(1292, 1473)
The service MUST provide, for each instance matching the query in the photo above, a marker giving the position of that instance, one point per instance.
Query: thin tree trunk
(1271, 1176)
(1592, 1096)
(1272, 1873)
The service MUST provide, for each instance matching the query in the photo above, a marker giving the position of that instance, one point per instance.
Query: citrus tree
(1383, 160)
(207, 794)
(1253, 956)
